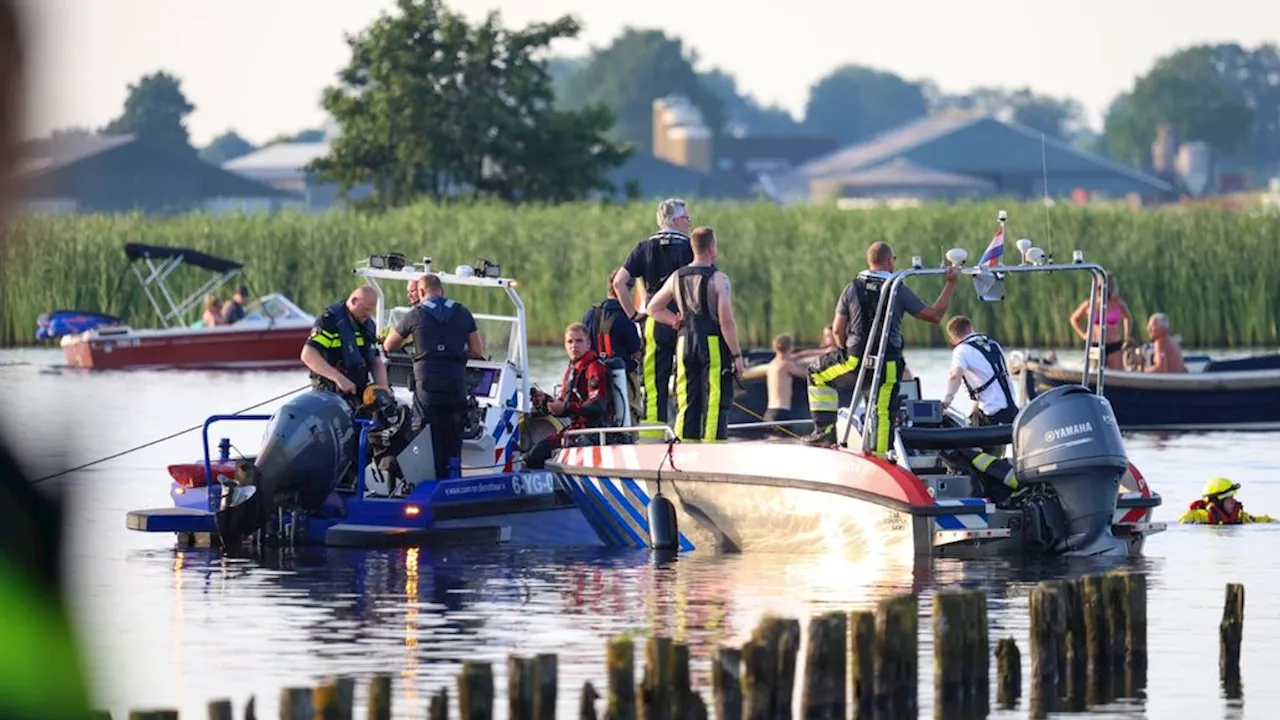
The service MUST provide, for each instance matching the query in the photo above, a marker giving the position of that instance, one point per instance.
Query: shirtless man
(778, 376)
(1166, 355)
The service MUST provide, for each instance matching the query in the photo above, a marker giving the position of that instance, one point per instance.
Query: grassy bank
(1214, 272)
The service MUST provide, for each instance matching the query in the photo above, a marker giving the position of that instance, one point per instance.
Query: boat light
(1024, 244)
(1035, 255)
(412, 510)
(1077, 256)
(917, 262)
(957, 256)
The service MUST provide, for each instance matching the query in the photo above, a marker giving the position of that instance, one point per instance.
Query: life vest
(867, 287)
(693, 300)
(440, 350)
(357, 354)
(580, 394)
(1218, 516)
(600, 326)
(664, 252)
(992, 353)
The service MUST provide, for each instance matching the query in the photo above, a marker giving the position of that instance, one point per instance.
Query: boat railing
(668, 435)
(214, 487)
(769, 423)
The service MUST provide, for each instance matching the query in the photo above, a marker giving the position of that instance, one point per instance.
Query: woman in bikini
(1117, 312)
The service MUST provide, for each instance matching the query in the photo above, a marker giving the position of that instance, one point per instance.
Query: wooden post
(769, 667)
(824, 668)
(249, 713)
(862, 658)
(981, 682)
(439, 708)
(1008, 673)
(153, 715)
(545, 686)
(897, 672)
(475, 691)
(948, 651)
(1095, 630)
(519, 688)
(380, 697)
(1230, 637)
(622, 679)
(218, 710)
(1075, 658)
(1135, 662)
(1047, 620)
(684, 700)
(333, 699)
(726, 683)
(656, 698)
(587, 703)
(295, 704)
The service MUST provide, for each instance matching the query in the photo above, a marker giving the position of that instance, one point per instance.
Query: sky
(258, 66)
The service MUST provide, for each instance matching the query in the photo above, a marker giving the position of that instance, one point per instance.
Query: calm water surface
(176, 629)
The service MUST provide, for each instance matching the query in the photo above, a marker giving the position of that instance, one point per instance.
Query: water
(176, 629)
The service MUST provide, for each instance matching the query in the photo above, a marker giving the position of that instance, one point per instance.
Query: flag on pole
(991, 257)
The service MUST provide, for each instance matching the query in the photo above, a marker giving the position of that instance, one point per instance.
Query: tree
(637, 68)
(1058, 117)
(743, 112)
(226, 147)
(430, 105)
(852, 103)
(1199, 93)
(156, 111)
(560, 69)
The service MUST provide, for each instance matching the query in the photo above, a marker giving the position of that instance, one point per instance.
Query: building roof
(794, 149)
(50, 154)
(282, 161)
(658, 177)
(904, 173)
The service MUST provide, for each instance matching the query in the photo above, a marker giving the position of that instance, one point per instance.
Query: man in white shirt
(978, 362)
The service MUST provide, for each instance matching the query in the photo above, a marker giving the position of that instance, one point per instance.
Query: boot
(824, 430)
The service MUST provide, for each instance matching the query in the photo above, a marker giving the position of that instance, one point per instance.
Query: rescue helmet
(1220, 487)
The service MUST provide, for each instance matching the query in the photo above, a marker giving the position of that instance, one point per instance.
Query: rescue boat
(1079, 494)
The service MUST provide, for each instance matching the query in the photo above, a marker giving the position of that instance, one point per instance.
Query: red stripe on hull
(191, 350)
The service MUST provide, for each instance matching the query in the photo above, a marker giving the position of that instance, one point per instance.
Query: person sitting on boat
(233, 309)
(979, 363)
(708, 356)
(1166, 353)
(342, 351)
(212, 311)
(586, 397)
(1218, 506)
(445, 337)
(855, 311)
(612, 335)
(1107, 332)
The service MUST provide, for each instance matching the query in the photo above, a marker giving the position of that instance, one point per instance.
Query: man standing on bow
(653, 261)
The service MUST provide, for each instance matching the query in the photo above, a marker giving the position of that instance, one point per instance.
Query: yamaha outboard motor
(310, 445)
(1067, 439)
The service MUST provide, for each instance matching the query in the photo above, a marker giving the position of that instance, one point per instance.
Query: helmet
(1220, 487)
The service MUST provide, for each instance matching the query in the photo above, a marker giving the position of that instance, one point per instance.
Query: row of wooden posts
(1088, 646)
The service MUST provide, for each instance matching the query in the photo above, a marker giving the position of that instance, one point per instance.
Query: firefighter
(708, 356)
(1219, 506)
(653, 261)
(838, 368)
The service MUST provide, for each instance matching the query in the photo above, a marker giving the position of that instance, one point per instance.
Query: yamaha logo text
(1067, 431)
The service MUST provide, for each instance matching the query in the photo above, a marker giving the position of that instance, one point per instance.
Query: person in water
(778, 378)
(1218, 506)
(1112, 338)
(1166, 353)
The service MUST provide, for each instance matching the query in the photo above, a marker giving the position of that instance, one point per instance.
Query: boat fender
(1044, 522)
(663, 533)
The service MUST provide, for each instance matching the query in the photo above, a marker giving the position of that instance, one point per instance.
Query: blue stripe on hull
(618, 508)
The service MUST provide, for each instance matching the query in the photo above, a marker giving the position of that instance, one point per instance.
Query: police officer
(653, 261)
(978, 362)
(444, 336)
(708, 356)
(855, 311)
(342, 351)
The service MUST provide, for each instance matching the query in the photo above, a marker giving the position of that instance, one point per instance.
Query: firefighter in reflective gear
(654, 261)
(854, 315)
(994, 474)
(611, 335)
(1219, 506)
(342, 351)
(586, 397)
(708, 357)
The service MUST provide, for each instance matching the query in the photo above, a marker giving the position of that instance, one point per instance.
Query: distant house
(960, 154)
(282, 166)
(120, 173)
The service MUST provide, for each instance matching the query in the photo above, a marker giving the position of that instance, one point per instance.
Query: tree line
(433, 105)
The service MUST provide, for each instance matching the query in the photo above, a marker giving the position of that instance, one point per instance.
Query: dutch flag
(991, 257)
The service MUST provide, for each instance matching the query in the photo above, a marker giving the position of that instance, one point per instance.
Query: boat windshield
(497, 331)
(273, 307)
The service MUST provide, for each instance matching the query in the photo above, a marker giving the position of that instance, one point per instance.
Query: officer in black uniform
(653, 261)
(342, 351)
(444, 336)
(708, 356)
(855, 311)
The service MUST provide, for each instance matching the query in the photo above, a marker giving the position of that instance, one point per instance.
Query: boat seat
(960, 437)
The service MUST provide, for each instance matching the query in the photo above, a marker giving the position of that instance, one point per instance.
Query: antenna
(1044, 165)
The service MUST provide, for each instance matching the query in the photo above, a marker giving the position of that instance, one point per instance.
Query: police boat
(336, 474)
(935, 495)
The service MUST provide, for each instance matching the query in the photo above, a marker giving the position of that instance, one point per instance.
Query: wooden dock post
(1135, 661)
(153, 715)
(519, 688)
(439, 707)
(1096, 643)
(587, 702)
(295, 704)
(726, 683)
(249, 713)
(380, 697)
(685, 702)
(475, 691)
(897, 670)
(981, 654)
(769, 668)
(218, 710)
(862, 662)
(324, 700)
(656, 690)
(1075, 657)
(1008, 673)
(960, 654)
(546, 685)
(1113, 585)
(1047, 656)
(1230, 638)
(621, 661)
(824, 668)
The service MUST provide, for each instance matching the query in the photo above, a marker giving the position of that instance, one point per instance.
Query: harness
(698, 317)
(441, 312)
(666, 252)
(354, 360)
(999, 372)
(866, 288)
(1218, 516)
(600, 329)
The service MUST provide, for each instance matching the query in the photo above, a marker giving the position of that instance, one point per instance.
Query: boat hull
(218, 348)
(1197, 401)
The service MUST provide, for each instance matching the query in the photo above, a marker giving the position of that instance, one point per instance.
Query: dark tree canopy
(852, 103)
(226, 147)
(155, 111)
(432, 105)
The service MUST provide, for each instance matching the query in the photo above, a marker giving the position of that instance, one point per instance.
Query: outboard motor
(1068, 439)
(310, 445)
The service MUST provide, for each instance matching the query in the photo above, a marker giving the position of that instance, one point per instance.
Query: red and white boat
(270, 336)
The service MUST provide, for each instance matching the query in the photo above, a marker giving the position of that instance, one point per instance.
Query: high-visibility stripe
(822, 377)
(682, 386)
(823, 398)
(882, 408)
(650, 371)
(714, 386)
(324, 342)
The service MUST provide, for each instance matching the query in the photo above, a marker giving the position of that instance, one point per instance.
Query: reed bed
(1214, 272)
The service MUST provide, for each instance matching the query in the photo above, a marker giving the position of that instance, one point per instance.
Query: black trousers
(446, 420)
(655, 370)
(704, 387)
